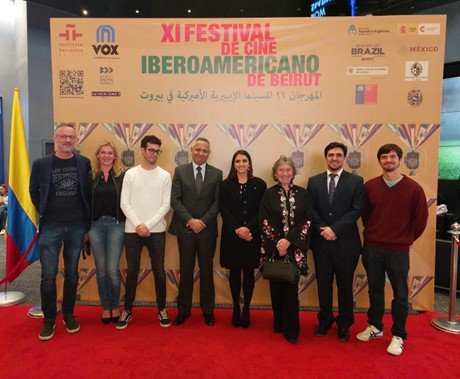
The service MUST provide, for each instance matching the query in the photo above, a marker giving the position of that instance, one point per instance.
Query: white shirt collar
(338, 173)
(203, 168)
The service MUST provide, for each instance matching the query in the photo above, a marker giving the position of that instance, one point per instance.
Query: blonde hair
(117, 168)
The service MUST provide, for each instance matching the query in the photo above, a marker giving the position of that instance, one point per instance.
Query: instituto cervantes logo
(69, 41)
(70, 33)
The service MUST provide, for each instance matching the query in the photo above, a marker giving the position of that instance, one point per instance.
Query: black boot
(245, 317)
(236, 316)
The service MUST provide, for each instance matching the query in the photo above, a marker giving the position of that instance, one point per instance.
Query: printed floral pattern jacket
(286, 215)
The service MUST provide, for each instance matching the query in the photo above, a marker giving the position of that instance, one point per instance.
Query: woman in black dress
(285, 218)
(240, 195)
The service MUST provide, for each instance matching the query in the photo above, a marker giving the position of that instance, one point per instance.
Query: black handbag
(280, 270)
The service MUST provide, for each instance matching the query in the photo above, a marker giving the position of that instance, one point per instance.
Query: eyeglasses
(153, 151)
(65, 136)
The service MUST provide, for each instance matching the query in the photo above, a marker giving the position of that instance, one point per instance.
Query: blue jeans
(377, 261)
(50, 242)
(107, 238)
(155, 244)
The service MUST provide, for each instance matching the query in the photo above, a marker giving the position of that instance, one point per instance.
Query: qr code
(71, 82)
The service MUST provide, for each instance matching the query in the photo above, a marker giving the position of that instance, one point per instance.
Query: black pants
(328, 265)
(285, 305)
(155, 244)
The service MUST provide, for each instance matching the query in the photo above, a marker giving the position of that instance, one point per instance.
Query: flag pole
(22, 218)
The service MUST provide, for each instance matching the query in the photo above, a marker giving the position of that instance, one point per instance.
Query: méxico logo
(105, 47)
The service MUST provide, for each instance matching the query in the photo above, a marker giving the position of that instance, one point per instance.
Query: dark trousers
(328, 265)
(285, 306)
(155, 244)
(235, 285)
(203, 246)
(396, 264)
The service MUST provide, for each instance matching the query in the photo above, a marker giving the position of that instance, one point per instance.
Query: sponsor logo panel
(416, 70)
(366, 94)
(353, 30)
(69, 41)
(105, 47)
(415, 97)
(105, 75)
(367, 51)
(106, 93)
(429, 29)
(418, 49)
(368, 71)
(419, 29)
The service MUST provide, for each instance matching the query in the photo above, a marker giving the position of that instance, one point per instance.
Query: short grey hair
(282, 160)
(59, 126)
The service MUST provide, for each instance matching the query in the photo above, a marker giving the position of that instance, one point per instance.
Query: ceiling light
(85, 12)
(137, 11)
(189, 11)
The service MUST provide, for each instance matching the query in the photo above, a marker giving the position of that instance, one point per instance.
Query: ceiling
(225, 8)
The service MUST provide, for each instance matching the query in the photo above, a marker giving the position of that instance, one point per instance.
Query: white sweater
(145, 198)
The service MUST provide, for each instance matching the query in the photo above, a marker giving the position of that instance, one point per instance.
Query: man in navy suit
(338, 199)
(195, 201)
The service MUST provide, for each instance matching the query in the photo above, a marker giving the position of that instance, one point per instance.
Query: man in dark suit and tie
(195, 201)
(338, 199)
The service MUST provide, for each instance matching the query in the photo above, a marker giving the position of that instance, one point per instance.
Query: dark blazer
(342, 215)
(237, 212)
(40, 182)
(187, 204)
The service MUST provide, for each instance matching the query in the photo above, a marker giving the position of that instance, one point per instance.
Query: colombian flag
(21, 242)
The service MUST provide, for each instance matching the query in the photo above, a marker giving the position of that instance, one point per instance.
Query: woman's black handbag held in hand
(280, 270)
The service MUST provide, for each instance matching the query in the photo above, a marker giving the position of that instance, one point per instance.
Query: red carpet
(195, 350)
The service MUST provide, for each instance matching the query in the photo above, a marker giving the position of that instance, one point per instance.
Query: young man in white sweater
(145, 200)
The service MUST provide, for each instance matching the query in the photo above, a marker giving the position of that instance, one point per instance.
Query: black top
(105, 199)
(239, 206)
(105, 196)
(65, 205)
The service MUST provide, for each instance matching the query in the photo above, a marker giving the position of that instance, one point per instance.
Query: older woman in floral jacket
(285, 218)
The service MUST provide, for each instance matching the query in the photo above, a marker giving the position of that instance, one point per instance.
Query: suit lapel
(207, 176)
(190, 177)
(323, 184)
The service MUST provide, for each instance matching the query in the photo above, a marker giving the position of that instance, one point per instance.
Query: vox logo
(105, 37)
